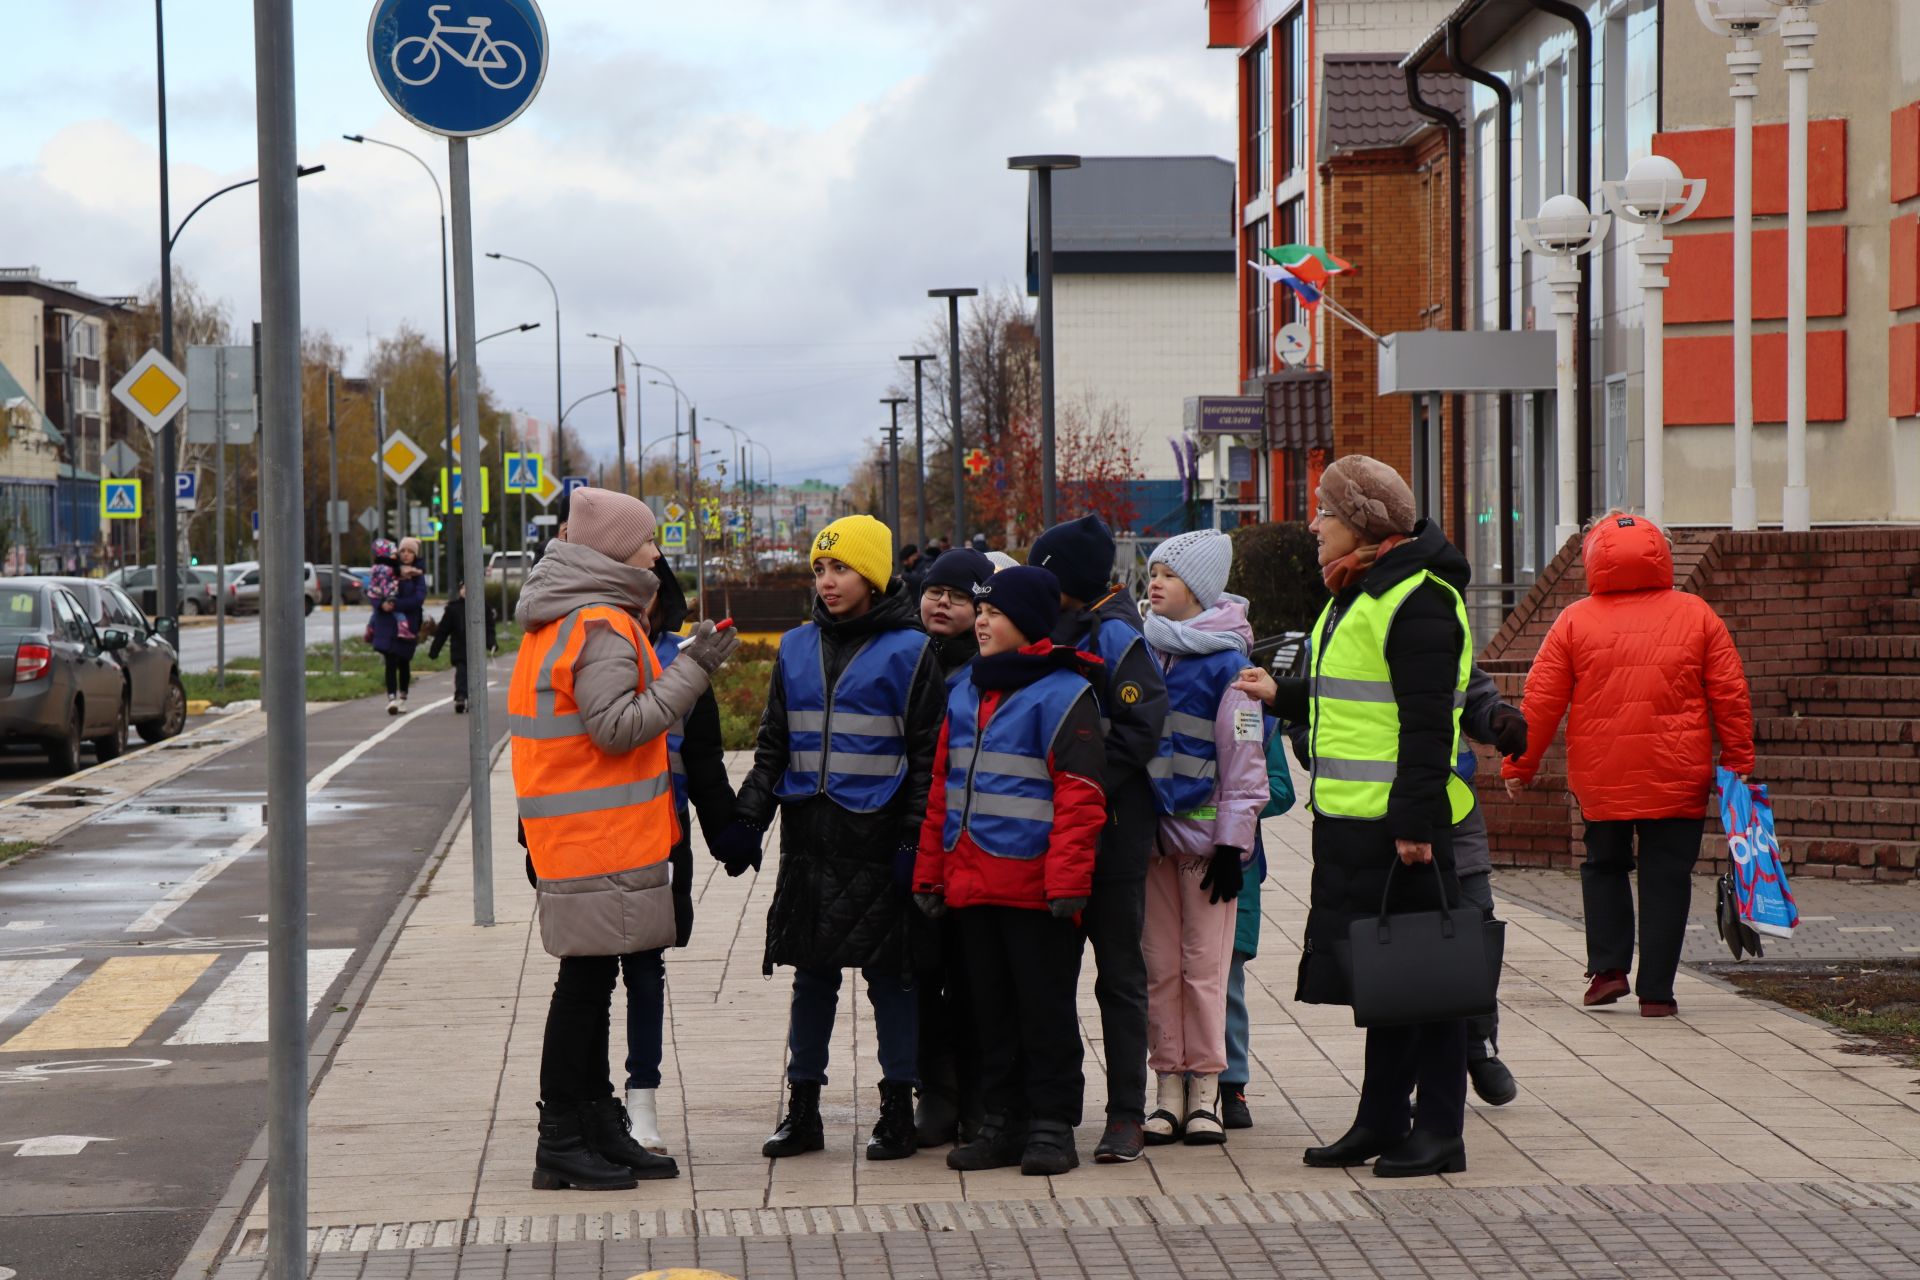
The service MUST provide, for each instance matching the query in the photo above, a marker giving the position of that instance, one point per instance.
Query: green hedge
(1277, 568)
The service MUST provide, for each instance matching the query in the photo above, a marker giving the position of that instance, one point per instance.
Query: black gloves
(932, 905)
(1066, 908)
(1224, 875)
(1510, 732)
(738, 847)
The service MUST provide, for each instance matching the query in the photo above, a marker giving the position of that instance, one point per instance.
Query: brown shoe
(1659, 1008)
(1607, 986)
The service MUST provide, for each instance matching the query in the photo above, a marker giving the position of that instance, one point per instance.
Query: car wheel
(173, 716)
(63, 752)
(114, 744)
(191, 608)
(308, 606)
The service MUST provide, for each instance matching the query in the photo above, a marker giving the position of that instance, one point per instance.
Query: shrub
(1276, 567)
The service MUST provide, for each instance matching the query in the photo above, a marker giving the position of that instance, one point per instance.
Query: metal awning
(1471, 361)
(1299, 409)
(1482, 25)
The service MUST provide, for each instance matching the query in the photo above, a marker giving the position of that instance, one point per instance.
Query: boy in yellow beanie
(846, 753)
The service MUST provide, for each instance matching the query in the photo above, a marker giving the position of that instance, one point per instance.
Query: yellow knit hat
(861, 543)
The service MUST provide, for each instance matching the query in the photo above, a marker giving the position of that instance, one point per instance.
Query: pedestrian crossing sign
(120, 499)
(450, 487)
(524, 471)
(673, 536)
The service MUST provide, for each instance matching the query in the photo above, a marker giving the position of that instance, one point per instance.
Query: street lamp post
(559, 396)
(956, 434)
(1797, 33)
(1042, 168)
(1565, 232)
(892, 495)
(620, 420)
(1655, 194)
(679, 397)
(919, 451)
(1742, 20)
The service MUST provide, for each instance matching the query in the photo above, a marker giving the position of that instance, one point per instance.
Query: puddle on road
(226, 815)
(55, 802)
(66, 796)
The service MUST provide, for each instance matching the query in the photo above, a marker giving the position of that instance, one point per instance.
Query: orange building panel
(1903, 370)
(1708, 153)
(1701, 272)
(1903, 262)
(1905, 171)
(1702, 393)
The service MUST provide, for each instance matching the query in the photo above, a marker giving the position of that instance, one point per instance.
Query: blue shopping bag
(1762, 899)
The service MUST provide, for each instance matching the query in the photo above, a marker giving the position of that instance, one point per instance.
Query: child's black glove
(932, 905)
(1223, 875)
(1066, 908)
(1510, 732)
(737, 847)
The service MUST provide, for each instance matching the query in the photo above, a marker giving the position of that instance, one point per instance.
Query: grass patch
(362, 671)
(1877, 1000)
(11, 849)
(740, 688)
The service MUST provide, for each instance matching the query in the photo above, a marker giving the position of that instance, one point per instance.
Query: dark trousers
(399, 674)
(573, 1056)
(1483, 1031)
(1668, 849)
(1024, 967)
(1115, 919)
(646, 975)
(460, 676)
(896, 1024)
(949, 1045)
(1428, 1058)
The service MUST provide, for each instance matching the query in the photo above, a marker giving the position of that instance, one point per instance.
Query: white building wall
(1146, 342)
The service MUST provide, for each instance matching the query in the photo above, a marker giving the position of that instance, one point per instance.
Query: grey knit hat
(1201, 559)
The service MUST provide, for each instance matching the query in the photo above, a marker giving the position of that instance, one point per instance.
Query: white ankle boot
(1169, 1106)
(643, 1113)
(1203, 1127)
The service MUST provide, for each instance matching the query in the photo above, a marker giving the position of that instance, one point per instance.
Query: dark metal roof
(1299, 409)
(1366, 102)
(1482, 25)
(1140, 204)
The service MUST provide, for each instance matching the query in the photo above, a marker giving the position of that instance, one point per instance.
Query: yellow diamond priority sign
(400, 457)
(547, 490)
(153, 390)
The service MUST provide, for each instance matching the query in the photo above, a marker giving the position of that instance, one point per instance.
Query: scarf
(1019, 668)
(1350, 568)
(1185, 639)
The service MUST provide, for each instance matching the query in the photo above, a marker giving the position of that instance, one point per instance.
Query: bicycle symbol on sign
(416, 60)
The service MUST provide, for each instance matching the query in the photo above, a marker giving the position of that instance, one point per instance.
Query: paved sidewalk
(1636, 1147)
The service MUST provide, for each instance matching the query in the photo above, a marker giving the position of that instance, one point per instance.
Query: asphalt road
(198, 641)
(143, 1030)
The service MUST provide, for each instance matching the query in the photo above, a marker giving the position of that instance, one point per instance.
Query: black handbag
(1422, 966)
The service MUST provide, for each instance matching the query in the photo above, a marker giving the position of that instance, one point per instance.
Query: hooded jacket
(1240, 778)
(836, 904)
(703, 755)
(1646, 677)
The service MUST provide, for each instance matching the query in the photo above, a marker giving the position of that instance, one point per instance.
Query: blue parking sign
(569, 483)
(186, 487)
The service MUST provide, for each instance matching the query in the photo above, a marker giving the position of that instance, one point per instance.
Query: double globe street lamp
(1564, 232)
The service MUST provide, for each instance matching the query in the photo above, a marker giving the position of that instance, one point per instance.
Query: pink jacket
(1240, 785)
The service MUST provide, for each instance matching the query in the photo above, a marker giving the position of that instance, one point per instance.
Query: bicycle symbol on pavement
(416, 60)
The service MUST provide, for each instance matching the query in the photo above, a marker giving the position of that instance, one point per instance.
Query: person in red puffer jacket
(1013, 823)
(1647, 677)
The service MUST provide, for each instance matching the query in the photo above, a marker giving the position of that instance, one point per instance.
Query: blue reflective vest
(1185, 770)
(1112, 640)
(848, 743)
(999, 785)
(667, 648)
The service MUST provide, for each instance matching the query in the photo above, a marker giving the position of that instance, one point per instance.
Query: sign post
(463, 81)
(220, 411)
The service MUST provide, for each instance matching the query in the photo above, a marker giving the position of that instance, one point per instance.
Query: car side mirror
(113, 638)
(168, 629)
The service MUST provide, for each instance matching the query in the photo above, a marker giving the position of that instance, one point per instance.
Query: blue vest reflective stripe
(849, 744)
(667, 648)
(1184, 772)
(999, 788)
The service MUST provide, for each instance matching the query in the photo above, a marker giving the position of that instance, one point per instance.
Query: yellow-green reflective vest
(1355, 720)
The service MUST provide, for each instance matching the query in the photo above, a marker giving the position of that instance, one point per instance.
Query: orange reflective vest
(586, 812)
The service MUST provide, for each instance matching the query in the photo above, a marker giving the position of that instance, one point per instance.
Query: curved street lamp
(559, 396)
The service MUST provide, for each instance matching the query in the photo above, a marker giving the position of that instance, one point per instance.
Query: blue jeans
(1238, 1024)
(896, 1021)
(646, 975)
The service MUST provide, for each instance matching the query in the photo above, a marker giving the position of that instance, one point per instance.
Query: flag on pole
(1309, 294)
(1309, 261)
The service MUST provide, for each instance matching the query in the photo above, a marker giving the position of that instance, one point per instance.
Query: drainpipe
(1503, 219)
(1456, 313)
(1576, 17)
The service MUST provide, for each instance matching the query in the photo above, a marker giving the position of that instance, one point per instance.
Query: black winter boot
(611, 1135)
(893, 1133)
(799, 1129)
(936, 1117)
(998, 1145)
(565, 1158)
(1049, 1150)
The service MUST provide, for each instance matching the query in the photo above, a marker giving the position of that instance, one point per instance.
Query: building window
(86, 340)
(1259, 118)
(1259, 306)
(1292, 74)
(1292, 231)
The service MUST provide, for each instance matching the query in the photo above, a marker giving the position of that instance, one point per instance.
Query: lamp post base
(1561, 532)
(1745, 512)
(1796, 508)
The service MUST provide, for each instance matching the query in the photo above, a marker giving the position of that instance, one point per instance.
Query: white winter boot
(1203, 1127)
(1169, 1105)
(643, 1112)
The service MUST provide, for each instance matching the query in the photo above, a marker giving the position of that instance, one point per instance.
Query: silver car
(243, 588)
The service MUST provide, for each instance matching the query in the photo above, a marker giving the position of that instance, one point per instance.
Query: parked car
(243, 588)
(59, 683)
(351, 592)
(510, 563)
(157, 700)
(142, 583)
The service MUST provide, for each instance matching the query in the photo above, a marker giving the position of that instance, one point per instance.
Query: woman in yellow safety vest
(589, 711)
(1391, 656)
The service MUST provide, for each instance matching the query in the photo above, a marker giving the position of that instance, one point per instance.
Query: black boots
(894, 1137)
(1422, 1155)
(1354, 1147)
(799, 1129)
(566, 1158)
(1234, 1113)
(1492, 1081)
(611, 1135)
(1049, 1151)
(999, 1145)
(936, 1119)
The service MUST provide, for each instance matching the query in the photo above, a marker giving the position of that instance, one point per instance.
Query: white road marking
(22, 980)
(24, 925)
(1866, 928)
(156, 915)
(236, 1012)
(58, 1144)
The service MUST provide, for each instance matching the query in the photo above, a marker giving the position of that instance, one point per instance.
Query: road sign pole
(283, 664)
(220, 519)
(479, 764)
(333, 517)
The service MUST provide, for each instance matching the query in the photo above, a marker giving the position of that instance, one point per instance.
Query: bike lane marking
(236, 1012)
(115, 1003)
(22, 980)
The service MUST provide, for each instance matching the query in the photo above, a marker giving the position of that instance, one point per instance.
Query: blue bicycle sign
(458, 67)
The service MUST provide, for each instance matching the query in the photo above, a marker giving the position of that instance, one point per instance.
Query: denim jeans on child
(896, 1021)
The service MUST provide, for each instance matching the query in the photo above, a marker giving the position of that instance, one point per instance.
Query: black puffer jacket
(1351, 857)
(708, 791)
(836, 904)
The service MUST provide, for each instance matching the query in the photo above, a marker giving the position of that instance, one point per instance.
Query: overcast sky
(757, 195)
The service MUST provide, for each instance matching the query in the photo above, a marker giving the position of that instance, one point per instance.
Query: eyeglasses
(946, 595)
